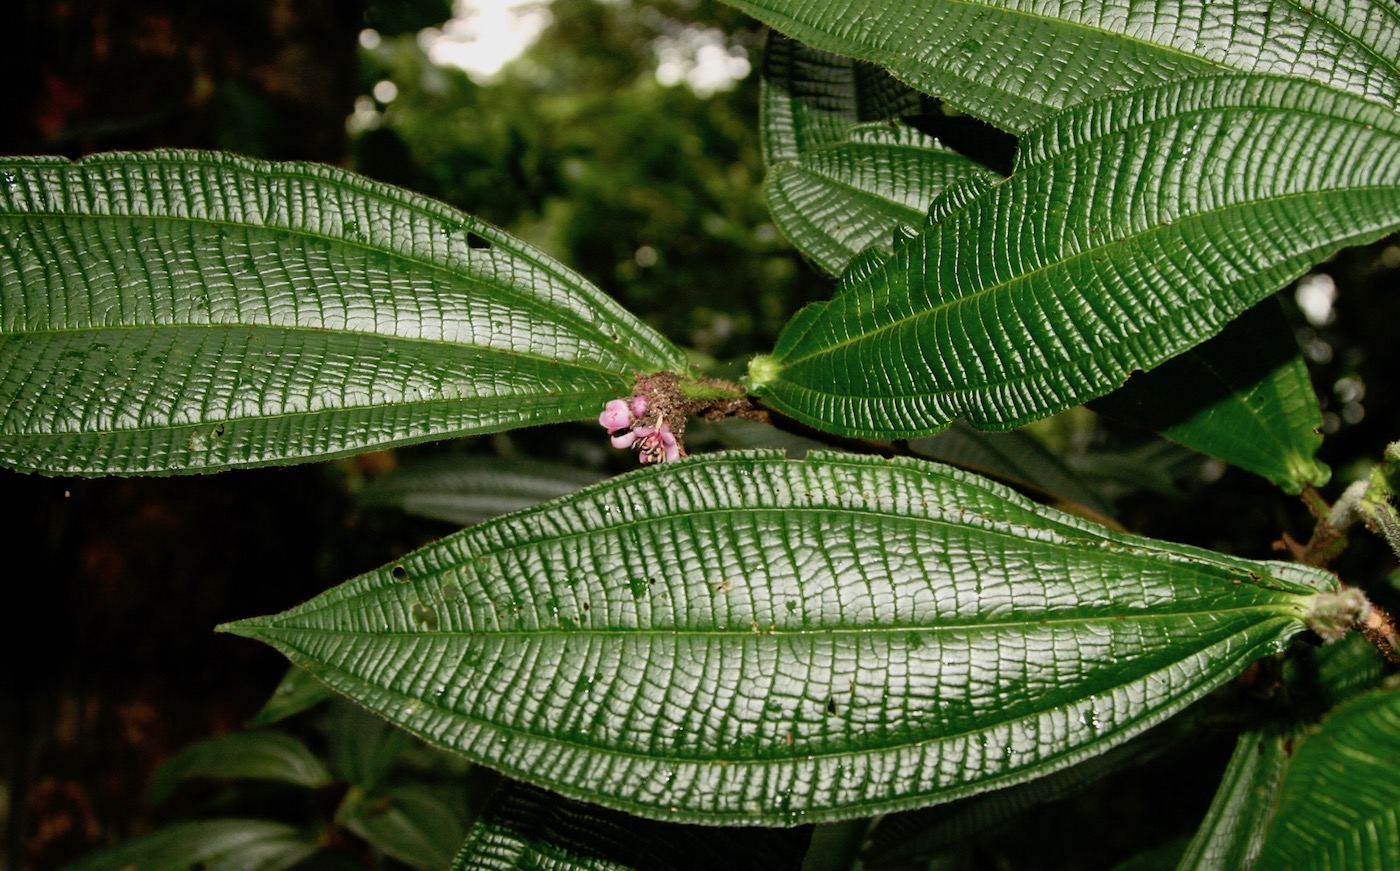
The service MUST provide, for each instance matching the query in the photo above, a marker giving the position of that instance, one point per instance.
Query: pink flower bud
(624, 439)
(639, 405)
(616, 415)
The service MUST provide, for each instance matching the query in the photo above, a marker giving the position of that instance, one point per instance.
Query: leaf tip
(247, 628)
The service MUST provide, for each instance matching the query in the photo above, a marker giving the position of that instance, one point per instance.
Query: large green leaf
(1133, 229)
(527, 829)
(1339, 808)
(836, 185)
(184, 311)
(843, 170)
(1016, 62)
(742, 638)
(1244, 396)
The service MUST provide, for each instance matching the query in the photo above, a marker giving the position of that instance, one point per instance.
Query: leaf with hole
(745, 639)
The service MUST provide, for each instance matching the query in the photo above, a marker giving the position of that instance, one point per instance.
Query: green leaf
(296, 692)
(837, 184)
(467, 490)
(1133, 229)
(843, 171)
(745, 639)
(1338, 806)
(1233, 830)
(183, 311)
(262, 754)
(418, 824)
(211, 845)
(527, 828)
(1244, 397)
(1015, 63)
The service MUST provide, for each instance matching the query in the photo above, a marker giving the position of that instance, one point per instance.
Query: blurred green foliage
(651, 191)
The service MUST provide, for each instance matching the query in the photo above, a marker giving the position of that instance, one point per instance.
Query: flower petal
(616, 415)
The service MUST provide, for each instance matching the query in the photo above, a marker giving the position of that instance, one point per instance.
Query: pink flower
(658, 444)
(622, 419)
(618, 415)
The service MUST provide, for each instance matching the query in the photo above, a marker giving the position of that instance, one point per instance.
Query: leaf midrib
(200, 424)
(314, 330)
(999, 530)
(655, 757)
(564, 315)
(973, 627)
(846, 186)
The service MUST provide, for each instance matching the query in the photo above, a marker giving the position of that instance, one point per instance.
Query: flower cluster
(623, 418)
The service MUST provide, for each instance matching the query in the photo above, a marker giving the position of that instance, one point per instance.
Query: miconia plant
(737, 638)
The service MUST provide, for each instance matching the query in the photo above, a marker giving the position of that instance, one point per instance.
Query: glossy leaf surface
(528, 829)
(745, 639)
(836, 186)
(1340, 803)
(1132, 230)
(843, 170)
(186, 311)
(1244, 396)
(1015, 63)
